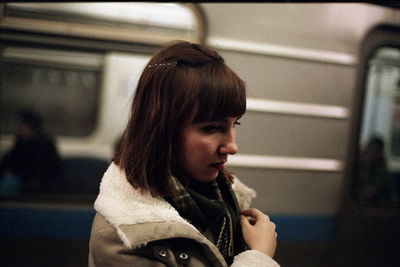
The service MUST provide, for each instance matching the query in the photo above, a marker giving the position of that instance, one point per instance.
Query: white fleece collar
(120, 203)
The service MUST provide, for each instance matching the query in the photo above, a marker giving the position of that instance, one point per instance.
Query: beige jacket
(135, 229)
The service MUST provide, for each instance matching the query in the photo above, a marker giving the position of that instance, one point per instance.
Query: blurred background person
(33, 164)
(374, 178)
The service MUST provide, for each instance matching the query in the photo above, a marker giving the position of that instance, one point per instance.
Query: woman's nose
(229, 145)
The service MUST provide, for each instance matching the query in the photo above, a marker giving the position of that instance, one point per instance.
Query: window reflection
(378, 180)
(51, 90)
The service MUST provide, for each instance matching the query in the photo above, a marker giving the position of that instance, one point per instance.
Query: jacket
(132, 228)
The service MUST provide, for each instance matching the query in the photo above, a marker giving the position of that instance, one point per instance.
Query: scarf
(212, 206)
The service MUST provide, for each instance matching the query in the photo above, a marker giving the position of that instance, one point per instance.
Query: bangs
(221, 94)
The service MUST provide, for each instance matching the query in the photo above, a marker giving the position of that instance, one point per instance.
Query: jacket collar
(126, 207)
(120, 203)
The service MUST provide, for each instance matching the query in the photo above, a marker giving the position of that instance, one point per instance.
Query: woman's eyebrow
(223, 120)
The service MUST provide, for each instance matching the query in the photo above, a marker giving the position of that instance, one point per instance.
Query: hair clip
(161, 64)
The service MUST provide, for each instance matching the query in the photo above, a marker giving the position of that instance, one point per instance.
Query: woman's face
(205, 147)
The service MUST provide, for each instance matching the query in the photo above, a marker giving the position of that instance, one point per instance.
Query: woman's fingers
(252, 212)
(258, 231)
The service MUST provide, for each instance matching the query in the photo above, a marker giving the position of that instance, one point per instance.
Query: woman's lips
(218, 166)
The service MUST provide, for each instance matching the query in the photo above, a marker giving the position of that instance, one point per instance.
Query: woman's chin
(207, 178)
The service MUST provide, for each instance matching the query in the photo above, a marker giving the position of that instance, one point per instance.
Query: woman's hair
(180, 80)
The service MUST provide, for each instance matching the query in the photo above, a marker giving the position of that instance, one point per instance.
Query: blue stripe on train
(75, 224)
(304, 227)
(45, 223)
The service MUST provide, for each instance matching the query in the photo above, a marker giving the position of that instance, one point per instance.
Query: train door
(368, 231)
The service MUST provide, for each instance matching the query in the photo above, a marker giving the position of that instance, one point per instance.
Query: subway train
(322, 82)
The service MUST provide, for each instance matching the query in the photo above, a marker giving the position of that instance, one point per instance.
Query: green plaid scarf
(213, 207)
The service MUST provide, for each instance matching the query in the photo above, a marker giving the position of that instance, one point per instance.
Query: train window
(378, 176)
(61, 86)
(76, 64)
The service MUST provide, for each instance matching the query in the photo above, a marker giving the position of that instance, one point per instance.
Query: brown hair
(180, 79)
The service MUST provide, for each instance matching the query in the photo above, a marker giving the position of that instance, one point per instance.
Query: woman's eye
(236, 123)
(212, 128)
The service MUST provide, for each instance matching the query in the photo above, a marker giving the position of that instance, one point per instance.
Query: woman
(167, 200)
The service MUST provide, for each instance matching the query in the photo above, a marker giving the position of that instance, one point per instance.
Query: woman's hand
(258, 231)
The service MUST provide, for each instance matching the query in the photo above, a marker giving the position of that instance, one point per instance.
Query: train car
(322, 82)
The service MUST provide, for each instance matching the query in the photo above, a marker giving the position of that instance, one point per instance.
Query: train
(322, 79)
